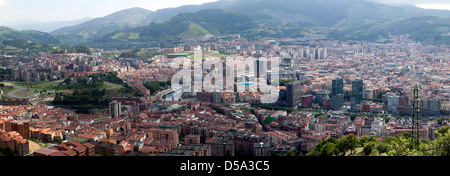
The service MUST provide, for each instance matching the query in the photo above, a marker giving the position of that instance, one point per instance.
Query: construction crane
(415, 119)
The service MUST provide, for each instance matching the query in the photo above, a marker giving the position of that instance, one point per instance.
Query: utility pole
(416, 119)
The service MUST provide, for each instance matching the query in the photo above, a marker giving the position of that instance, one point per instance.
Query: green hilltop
(29, 41)
(184, 26)
(125, 19)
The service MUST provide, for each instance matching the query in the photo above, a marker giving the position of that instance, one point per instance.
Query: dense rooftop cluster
(332, 90)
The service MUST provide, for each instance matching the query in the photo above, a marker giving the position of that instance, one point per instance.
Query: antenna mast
(416, 119)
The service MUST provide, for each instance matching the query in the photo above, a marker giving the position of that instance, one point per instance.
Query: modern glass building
(357, 94)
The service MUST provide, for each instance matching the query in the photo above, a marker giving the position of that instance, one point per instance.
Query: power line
(427, 150)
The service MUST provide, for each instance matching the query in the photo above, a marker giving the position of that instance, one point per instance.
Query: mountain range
(339, 19)
(427, 29)
(125, 19)
(27, 41)
(50, 27)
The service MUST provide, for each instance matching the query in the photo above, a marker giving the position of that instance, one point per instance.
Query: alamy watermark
(232, 74)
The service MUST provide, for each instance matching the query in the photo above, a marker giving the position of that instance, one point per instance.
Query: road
(159, 96)
(17, 89)
(111, 86)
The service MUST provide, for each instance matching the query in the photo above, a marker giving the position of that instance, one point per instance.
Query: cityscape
(116, 94)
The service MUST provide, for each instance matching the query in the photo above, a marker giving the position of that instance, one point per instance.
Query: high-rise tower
(337, 93)
(357, 94)
(115, 109)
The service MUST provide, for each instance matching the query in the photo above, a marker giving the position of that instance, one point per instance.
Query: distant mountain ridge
(125, 19)
(326, 13)
(31, 35)
(50, 27)
(14, 41)
(323, 12)
(427, 29)
(339, 19)
(184, 26)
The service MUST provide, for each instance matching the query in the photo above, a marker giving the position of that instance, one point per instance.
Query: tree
(441, 120)
(367, 139)
(83, 49)
(58, 51)
(353, 117)
(268, 120)
(57, 140)
(220, 111)
(95, 77)
(381, 147)
(131, 54)
(290, 153)
(390, 146)
(153, 87)
(330, 149)
(441, 143)
(398, 145)
(6, 151)
(306, 82)
(284, 82)
(348, 142)
(82, 81)
(138, 94)
(162, 83)
(369, 148)
(443, 130)
(325, 148)
(68, 80)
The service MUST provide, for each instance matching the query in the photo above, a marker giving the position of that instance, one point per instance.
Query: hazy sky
(13, 12)
(31, 11)
(426, 4)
